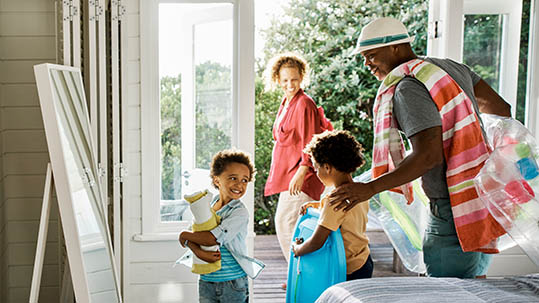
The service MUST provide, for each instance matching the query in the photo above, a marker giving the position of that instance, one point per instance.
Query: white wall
(27, 37)
(148, 272)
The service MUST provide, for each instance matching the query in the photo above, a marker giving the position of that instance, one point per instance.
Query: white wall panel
(134, 94)
(19, 95)
(169, 292)
(16, 141)
(21, 118)
(27, 37)
(21, 276)
(19, 71)
(28, 48)
(21, 294)
(27, 24)
(24, 253)
(27, 6)
(133, 117)
(158, 251)
(134, 72)
(133, 139)
(20, 186)
(133, 29)
(160, 273)
(133, 53)
(26, 232)
(135, 210)
(25, 163)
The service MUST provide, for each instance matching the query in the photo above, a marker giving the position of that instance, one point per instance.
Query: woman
(298, 119)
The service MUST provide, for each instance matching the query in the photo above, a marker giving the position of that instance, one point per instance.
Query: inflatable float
(508, 183)
(311, 274)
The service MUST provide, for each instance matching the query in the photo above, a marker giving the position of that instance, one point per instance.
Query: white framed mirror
(79, 195)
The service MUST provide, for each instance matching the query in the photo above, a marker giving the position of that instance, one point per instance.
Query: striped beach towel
(465, 149)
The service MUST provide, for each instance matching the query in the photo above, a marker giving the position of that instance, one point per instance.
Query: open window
(194, 89)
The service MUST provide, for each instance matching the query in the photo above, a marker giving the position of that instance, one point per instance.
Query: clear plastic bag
(508, 183)
(403, 224)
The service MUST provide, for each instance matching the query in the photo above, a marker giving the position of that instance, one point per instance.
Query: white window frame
(532, 91)
(243, 93)
(448, 40)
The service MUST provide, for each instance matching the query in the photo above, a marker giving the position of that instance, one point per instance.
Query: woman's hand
(295, 185)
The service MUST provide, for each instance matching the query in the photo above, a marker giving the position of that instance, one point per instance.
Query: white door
(484, 34)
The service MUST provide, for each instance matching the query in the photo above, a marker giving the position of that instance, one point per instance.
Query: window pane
(482, 46)
(195, 68)
(213, 90)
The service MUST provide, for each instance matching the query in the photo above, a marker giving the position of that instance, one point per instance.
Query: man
(449, 250)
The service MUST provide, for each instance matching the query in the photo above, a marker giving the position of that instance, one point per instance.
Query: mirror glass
(74, 134)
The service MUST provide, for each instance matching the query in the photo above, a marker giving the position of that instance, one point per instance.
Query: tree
(170, 137)
(325, 33)
(267, 104)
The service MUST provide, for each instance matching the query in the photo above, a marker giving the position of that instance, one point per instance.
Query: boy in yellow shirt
(336, 155)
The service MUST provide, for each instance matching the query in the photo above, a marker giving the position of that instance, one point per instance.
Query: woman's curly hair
(225, 157)
(337, 148)
(288, 59)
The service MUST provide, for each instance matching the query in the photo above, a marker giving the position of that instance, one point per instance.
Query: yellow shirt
(353, 225)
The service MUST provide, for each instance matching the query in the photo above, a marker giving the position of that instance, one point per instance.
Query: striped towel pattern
(465, 150)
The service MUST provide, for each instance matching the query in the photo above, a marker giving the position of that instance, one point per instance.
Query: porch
(267, 287)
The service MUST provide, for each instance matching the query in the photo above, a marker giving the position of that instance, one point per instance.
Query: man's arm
(427, 153)
(489, 101)
(314, 243)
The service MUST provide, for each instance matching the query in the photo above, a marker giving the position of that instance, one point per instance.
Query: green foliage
(325, 33)
(170, 137)
(266, 107)
(213, 107)
(523, 62)
(213, 111)
(482, 46)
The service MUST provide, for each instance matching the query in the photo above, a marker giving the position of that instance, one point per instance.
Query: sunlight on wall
(172, 292)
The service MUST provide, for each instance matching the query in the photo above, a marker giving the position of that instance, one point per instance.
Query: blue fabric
(364, 272)
(224, 292)
(442, 253)
(230, 269)
(231, 233)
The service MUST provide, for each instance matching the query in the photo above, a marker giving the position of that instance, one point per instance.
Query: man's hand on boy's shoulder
(349, 195)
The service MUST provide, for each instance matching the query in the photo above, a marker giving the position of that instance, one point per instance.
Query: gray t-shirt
(415, 111)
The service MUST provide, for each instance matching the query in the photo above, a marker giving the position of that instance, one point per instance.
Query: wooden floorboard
(267, 287)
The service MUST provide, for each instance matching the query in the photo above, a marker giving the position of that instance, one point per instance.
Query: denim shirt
(232, 233)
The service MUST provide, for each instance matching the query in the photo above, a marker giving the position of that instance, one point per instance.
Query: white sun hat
(382, 32)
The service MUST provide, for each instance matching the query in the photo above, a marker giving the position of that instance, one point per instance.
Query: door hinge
(120, 172)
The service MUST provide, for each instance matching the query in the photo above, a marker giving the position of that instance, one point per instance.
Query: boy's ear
(215, 181)
(327, 167)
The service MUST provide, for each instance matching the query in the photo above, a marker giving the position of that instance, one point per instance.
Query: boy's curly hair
(337, 148)
(288, 59)
(223, 158)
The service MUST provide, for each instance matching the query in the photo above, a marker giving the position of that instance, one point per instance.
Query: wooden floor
(267, 287)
